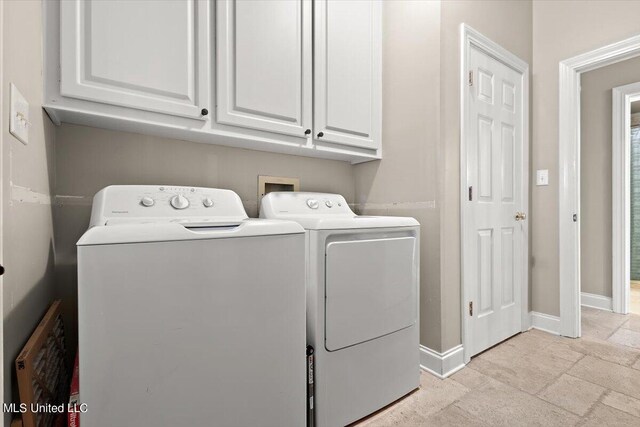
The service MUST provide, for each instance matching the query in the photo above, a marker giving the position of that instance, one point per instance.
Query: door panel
(149, 55)
(370, 289)
(508, 141)
(264, 65)
(493, 239)
(485, 148)
(347, 72)
(485, 269)
(507, 266)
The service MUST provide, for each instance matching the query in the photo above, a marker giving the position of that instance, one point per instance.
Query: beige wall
(27, 174)
(408, 175)
(595, 166)
(561, 29)
(420, 168)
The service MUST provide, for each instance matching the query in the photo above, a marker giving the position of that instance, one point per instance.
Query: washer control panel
(291, 203)
(122, 203)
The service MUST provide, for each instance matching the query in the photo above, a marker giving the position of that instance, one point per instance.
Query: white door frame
(623, 96)
(471, 38)
(2, 95)
(569, 172)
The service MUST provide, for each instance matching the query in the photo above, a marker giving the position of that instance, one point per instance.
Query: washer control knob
(147, 201)
(329, 203)
(313, 203)
(179, 202)
(207, 202)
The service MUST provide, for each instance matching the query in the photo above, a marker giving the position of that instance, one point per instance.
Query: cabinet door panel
(139, 54)
(264, 65)
(347, 67)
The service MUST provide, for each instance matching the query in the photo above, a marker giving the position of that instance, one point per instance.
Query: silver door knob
(521, 216)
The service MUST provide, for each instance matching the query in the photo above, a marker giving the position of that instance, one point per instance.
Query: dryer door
(371, 289)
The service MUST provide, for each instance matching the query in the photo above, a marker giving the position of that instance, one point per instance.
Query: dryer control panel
(292, 203)
(119, 204)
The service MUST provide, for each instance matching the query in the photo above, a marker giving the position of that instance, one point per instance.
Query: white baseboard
(596, 301)
(545, 322)
(442, 364)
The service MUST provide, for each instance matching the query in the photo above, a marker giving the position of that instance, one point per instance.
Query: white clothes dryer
(362, 303)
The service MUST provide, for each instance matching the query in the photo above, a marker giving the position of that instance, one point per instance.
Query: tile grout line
(598, 400)
(573, 363)
(606, 392)
(458, 399)
(581, 417)
(535, 395)
(623, 346)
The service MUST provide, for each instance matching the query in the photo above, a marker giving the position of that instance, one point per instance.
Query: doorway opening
(625, 231)
(570, 72)
(634, 255)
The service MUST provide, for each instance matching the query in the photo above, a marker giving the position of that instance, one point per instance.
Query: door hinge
(470, 78)
(470, 308)
(471, 193)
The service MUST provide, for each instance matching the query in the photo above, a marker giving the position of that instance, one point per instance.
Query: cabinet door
(145, 54)
(348, 72)
(264, 65)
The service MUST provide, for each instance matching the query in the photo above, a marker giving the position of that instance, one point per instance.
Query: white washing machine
(189, 313)
(362, 303)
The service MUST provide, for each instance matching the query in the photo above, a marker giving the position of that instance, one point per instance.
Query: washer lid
(323, 211)
(158, 231)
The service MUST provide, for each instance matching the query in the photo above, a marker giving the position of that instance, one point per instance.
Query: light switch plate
(19, 120)
(542, 177)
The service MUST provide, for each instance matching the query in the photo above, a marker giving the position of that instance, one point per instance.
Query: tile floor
(536, 378)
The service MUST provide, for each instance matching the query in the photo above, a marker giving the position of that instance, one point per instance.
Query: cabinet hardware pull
(307, 132)
(320, 134)
(204, 112)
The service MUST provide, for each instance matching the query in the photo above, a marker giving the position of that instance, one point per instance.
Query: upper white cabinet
(264, 65)
(138, 54)
(348, 72)
(299, 77)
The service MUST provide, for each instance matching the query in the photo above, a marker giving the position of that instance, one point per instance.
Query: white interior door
(264, 65)
(493, 236)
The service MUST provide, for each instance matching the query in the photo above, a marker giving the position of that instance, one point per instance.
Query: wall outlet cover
(19, 116)
(542, 177)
